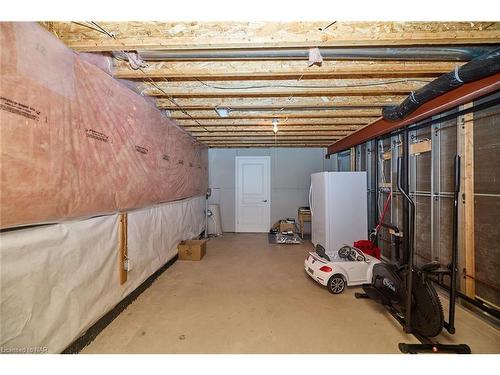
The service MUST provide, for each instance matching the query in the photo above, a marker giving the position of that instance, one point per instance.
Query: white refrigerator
(338, 202)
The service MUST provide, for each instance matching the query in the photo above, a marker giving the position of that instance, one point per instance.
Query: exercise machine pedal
(434, 348)
(361, 295)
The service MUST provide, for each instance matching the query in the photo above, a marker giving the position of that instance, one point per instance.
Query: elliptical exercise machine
(405, 289)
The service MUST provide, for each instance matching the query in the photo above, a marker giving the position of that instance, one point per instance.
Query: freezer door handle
(310, 199)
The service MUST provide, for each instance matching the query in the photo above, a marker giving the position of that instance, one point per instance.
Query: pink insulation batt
(75, 142)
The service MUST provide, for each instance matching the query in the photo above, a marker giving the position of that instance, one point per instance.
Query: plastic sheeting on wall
(57, 280)
(76, 143)
(153, 233)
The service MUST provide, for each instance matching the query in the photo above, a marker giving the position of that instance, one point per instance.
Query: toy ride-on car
(347, 266)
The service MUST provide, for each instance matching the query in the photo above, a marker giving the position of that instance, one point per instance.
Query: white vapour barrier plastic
(57, 280)
(153, 234)
(214, 221)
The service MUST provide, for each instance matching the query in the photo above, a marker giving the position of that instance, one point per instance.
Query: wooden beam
(282, 88)
(304, 144)
(258, 70)
(269, 138)
(208, 114)
(266, 141)
(278, 103)
(282, 129)
(210, 35)
(265, 145)
(281, 122)
(270, 133)
(466, 132)
(207, 93)
(123, 247)
(420, 147)
(149, 88)
(415, 148)
(352, 159)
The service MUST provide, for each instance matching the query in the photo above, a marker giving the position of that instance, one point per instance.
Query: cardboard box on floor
(192, 249)
(283, 226)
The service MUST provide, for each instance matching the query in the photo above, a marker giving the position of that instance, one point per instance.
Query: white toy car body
(347, 266)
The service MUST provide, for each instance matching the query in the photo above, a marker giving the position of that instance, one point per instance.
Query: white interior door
(253, 193)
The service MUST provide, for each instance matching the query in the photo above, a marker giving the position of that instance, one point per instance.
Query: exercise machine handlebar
(409, 278)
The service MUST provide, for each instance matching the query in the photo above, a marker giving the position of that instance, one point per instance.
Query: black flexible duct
(483, 66)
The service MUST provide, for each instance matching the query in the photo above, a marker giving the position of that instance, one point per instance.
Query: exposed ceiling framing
(259, 71)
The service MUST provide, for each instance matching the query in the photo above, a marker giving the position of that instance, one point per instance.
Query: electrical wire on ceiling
(172, 100)
(378, 83)
(90, 26)
(96, 27)
(103, 30)
(327, 26)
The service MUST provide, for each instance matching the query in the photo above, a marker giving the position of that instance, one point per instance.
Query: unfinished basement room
(250, 187)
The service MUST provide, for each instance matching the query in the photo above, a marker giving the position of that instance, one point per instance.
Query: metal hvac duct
(433, 53)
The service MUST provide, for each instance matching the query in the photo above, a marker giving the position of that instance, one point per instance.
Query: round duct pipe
(434, 53)
(481, 67)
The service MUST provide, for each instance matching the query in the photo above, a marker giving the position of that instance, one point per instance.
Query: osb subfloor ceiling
(230, 83)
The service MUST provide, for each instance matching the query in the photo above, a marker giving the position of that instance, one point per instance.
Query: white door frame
(237, 189)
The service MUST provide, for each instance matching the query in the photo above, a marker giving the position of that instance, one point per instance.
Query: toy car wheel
(336, 284)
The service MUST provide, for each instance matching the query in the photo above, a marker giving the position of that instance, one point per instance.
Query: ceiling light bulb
(275, 125)
(222, 112)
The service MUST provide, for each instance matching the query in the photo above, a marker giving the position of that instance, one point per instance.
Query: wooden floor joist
(401, 83)
(238, 91)
(253, 70)
(267, 145)
(208, 114)
(268, 138)
(282, 129)
(259, 71)
(263, 145)
(258, 145)
(270, 133)
(285, 122)
(278, 103)
(225, 35)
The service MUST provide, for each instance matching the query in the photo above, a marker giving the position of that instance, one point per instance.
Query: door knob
(265, 200)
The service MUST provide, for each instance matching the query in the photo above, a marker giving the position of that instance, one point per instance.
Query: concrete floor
(247, 296)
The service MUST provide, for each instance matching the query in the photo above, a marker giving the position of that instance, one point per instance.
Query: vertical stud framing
(435, 190)
(123, 253)
(353, 158)
(465, 131)
(395, 147)
(371, 182)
